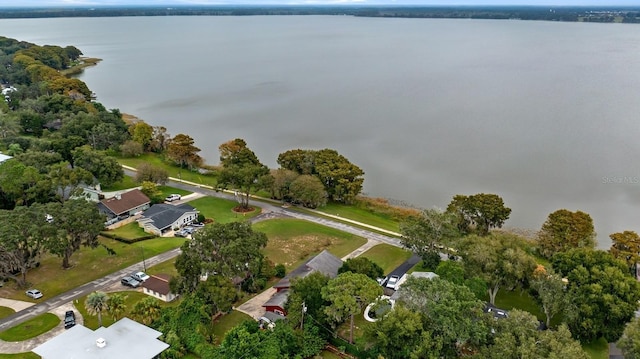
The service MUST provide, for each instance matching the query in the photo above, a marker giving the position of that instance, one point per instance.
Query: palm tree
(116, 305)
(146, 310)
(96, 303)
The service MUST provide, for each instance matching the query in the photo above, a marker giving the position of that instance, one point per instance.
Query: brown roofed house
(158, 286)
(124, 204)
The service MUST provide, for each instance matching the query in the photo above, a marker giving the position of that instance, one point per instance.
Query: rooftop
(124, 339)
(125, 201)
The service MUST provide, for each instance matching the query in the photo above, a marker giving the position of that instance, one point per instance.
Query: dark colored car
(130, 282)
(69, 319)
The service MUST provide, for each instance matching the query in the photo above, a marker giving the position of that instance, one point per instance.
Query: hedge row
(127, 240)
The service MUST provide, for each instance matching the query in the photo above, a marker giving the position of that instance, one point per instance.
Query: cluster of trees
(595, 291)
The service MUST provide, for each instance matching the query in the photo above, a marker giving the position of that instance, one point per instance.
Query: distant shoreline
(599, 14)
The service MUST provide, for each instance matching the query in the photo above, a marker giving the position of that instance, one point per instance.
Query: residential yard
(129, 231)
(133, 297)
(126, 183)
(166, 191)
(598, 349)
(221, 210)
(519, 299)
(362, 215)
(291, 241)
(226, 322)
(31, 328)
(174, 171)
(5, 312)
(88, 264)
(387, 256)
(29, 355)
(167, 267)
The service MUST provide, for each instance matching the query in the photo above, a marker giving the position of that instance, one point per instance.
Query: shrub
(281, 270)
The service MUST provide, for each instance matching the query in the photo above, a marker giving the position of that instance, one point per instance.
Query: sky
(30, 3)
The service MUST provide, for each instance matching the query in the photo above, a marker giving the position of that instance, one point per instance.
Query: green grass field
(166, 190)
(597, 349)
(126, 183)
(291, 241)
(174, 171)
(29, 355)
(5, 312)
(221, 210)
(361, 215)
(223, 324)
(88, 264)
(31, 328)
(130, 231)
(387, 256)
(133, 297)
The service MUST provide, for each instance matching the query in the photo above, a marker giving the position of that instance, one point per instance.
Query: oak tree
(479, 212)
(564, 230)
(183, 152)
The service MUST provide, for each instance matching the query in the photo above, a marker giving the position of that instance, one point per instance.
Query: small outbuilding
(158, 286)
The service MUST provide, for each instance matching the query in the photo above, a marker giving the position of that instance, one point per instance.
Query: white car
(392, 282)
(140, 276)
(34, 293)
(173, 197)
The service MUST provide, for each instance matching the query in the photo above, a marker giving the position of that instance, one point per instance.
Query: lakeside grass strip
(31, 328)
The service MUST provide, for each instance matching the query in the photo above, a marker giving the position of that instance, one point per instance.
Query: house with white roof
(124, 339)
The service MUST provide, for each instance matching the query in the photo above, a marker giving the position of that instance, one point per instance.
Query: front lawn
(88, 265)
(173, 170)
(167, 267)
(520, 299)
(31, 328)
(29, 355)
(221, 210)
(126, 183)
(129, 231)
(5, 312)
(597, 349)
(387, 256)
(166, 191)
(226, 322)
(133, 297)
(362, 215)
(291, 241)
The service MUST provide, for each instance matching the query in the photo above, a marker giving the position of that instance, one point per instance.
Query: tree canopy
(241, 169)
(479, 212)
(564, 230)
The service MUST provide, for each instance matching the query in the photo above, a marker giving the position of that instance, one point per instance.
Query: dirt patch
(241, 209)
(289, 251)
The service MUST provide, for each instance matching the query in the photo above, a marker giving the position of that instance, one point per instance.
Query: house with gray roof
(124, 339)
(325, 263)
(162, 218)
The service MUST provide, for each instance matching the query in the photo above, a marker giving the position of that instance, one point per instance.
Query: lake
(544, 114)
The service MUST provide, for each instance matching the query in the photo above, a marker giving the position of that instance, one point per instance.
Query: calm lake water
(544, 114)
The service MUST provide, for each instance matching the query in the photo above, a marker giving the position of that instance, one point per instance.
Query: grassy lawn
(29, 355)
(597, 349)
(133, 297)
(167, 267)
(166, 190)
(5, 312)
(130, 231)
(387, 256)
(88, 264)
(359, 324)
(31, 328)
(221, 210)
(518, 299)
(329, 355)
(126, 183)
(291, 241)
(226, 322)
(174, 171)
(362, 215)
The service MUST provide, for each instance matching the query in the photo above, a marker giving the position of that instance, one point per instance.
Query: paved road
(98, 284)
(269, 210)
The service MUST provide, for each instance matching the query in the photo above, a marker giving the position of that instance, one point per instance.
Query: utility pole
(144, 264)
(304, 310)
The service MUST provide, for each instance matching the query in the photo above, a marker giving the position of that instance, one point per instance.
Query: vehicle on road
(130, 282)
(173, 197)
(140, 276)
(34, 293)
(69, 319)
(392, 282)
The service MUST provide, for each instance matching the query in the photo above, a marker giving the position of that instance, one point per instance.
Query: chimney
(101, 343)
(118, 196)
